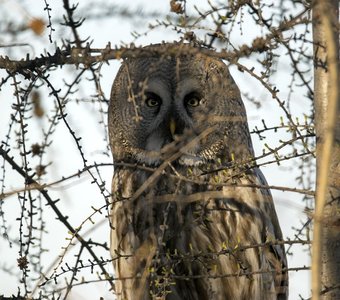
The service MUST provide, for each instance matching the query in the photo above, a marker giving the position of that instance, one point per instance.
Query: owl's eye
(192, 100)
(152, 100)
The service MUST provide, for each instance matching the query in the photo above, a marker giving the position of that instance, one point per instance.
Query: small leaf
(37, 26)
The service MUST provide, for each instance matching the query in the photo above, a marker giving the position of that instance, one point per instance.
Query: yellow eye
(151, 102)
(192, 99)
(193, 102)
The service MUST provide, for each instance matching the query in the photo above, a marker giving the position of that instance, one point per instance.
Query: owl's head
(176, 99)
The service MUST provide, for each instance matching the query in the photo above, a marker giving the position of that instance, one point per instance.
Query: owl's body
(189, 218)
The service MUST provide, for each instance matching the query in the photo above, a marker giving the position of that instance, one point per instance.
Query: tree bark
(326, 237)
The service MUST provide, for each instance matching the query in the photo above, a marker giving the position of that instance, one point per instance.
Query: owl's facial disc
(169, 124)
(166, 100)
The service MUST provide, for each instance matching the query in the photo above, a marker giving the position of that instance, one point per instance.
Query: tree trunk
(326, 238)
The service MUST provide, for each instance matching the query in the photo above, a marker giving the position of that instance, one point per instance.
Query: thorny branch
(61, 217)
(211, 31)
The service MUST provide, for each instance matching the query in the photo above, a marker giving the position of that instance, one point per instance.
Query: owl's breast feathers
(196, 237)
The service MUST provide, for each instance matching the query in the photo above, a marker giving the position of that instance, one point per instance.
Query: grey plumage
(185, 199)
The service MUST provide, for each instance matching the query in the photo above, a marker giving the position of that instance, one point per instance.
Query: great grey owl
(191, 215)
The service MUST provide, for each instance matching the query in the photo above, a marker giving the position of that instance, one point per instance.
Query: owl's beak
(172, 126)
